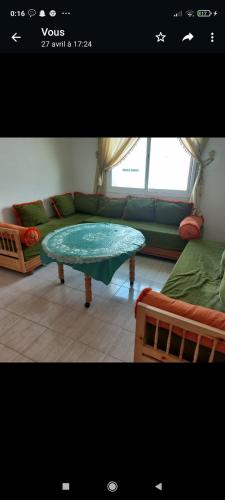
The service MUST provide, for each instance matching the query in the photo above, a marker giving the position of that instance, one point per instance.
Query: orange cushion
(190, 227)
(28, 235)
(201, 314)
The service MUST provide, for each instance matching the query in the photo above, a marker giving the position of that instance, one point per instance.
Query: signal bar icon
(178, 14)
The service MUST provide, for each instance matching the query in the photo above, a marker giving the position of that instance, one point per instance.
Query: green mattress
(195, 277)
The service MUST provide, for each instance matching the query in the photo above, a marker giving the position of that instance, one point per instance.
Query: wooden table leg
(88, 291)
(61, 272)
(132, 270)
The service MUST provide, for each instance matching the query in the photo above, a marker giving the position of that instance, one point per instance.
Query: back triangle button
(159, 486)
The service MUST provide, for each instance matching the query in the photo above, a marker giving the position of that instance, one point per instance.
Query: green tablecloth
(94, 249)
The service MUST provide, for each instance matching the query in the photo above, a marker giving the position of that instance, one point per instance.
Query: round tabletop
(92, 242)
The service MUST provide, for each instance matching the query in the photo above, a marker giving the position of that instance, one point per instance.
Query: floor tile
(110, 359)
(91, 356)
(7, 355)
(21, 334)
(21, 304)
(43, 312)
(117, 312)
(63, 295)
(49, 347)
(22, 359)
(7, 320)
(72, 323)
(123, 347)
(100, 335)
(73, 352)
(127, 294)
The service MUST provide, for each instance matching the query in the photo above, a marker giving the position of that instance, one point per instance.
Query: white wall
(213, 192)
(31, 169)
(84, 163)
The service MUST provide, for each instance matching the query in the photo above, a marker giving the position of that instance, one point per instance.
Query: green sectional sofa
(157, 219)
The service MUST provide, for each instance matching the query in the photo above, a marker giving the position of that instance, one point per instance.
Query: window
(157, 165)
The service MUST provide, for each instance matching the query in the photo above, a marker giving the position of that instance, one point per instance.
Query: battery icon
(204, 13)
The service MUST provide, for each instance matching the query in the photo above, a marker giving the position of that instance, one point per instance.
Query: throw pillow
(86, 203)
(139, 209)
(172, 212)
(109, 207)
(31, 214)
(63, 204)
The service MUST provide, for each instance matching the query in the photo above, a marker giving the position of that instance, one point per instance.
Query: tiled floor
(44, 321)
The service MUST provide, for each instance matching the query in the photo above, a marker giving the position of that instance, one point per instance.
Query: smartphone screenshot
(112, 249)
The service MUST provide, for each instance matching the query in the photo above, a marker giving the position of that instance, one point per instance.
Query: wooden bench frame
(11, 252)
(145, 352)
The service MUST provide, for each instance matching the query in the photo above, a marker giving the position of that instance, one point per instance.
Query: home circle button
(112, 486)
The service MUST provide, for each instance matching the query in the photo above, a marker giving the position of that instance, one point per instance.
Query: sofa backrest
(141, 208)
(134, 208)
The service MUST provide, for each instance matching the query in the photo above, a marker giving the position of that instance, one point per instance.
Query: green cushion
(139, 209)
(86, 203)
(65, 204)
(222, 264)
(32, 214)
(222, 290)
(168, 212)
(111, 208)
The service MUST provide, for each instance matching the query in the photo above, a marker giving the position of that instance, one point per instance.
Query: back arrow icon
(188, 37)
(15, 36)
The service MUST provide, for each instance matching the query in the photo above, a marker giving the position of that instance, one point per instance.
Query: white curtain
(195, 147)
(111, 151)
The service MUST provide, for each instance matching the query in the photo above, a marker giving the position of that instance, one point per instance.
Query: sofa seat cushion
(196, 276)
(172, 212)
(156, 235)
(53, 224)
(141, 209)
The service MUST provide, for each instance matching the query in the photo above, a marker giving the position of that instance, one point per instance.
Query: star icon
(160, 37)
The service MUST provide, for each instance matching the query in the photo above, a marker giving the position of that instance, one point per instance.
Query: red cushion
(28, 235)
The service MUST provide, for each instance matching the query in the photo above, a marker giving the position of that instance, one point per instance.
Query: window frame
(166, 193)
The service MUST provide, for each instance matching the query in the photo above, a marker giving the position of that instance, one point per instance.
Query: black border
(112, 96)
